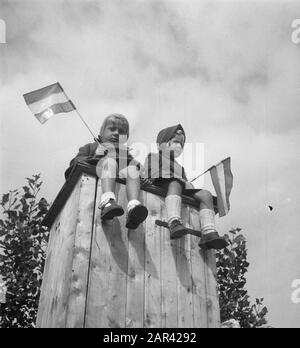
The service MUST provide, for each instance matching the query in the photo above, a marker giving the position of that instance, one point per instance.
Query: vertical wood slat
(54, 292)
(184, 282)
(48, 279)
(99, 273)
(198, 275)
(81, 254)
(152, 311)
(118, 266)
(169, 298)
(106, 301)
(56, 305)
(212, 304)
(136, 275)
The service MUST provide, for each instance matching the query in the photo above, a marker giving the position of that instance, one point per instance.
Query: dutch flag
(48, 101)
(222, 180)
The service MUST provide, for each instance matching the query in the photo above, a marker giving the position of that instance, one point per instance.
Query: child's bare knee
(174, 188)
(109, 163)
(133, 172)
(204, 195)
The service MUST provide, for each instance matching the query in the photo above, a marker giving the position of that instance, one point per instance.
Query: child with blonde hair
(113, 160)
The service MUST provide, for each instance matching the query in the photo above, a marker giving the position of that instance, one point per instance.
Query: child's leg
(108, 175)
(108, 204)
(133, 183)
(210, 238)
(205, 199)
(173, 206)
(174, 201)
(137, 213)
(207, 214)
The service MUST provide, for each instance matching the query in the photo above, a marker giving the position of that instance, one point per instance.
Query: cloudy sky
(228, 71)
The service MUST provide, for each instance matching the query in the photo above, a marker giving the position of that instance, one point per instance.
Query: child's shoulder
(92, 145)
(89, 148)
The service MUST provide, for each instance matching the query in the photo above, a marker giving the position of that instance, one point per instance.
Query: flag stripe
(56, 109)
(43, 104)
(214, 177)
(42, 93)
(221, 178)
(42, 117)
(228, 179)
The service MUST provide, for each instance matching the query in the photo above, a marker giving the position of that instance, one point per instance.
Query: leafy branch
(232, 267)
(22, 240)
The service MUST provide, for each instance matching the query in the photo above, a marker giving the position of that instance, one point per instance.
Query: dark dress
(160, 169)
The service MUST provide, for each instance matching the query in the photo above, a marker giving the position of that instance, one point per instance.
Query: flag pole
(79, 115)
(197, 177)
(82, 119)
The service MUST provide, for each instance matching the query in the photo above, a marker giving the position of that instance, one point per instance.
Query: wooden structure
(102, 275)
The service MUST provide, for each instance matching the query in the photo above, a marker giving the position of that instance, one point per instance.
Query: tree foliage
(235, 303)
(22, 242)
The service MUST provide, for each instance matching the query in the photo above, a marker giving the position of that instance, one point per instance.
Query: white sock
(173, 205)
(132, 204)
(207, 221)
(105, 198)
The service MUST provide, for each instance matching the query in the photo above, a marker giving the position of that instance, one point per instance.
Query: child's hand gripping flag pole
(50, 100)
(222, 180)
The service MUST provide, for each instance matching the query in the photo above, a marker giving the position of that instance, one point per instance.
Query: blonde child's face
(114, 132)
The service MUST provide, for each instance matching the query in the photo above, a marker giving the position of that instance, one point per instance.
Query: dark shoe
(111, 210)
(212, 241)
(136, 216)
(177, 230)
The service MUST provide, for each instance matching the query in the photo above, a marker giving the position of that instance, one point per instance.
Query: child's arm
(85, 154)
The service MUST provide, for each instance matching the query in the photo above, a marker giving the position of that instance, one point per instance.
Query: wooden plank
(198, 275)
(118, 265)
(98, 283)
(152, 312)
(168, 276)
(184, 274)
(44, 301)
(106, 300)
(136, 275)
(81, 253)
(58, 266)
(212, 304)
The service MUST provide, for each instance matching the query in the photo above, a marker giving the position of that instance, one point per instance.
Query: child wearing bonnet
(162, 169)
